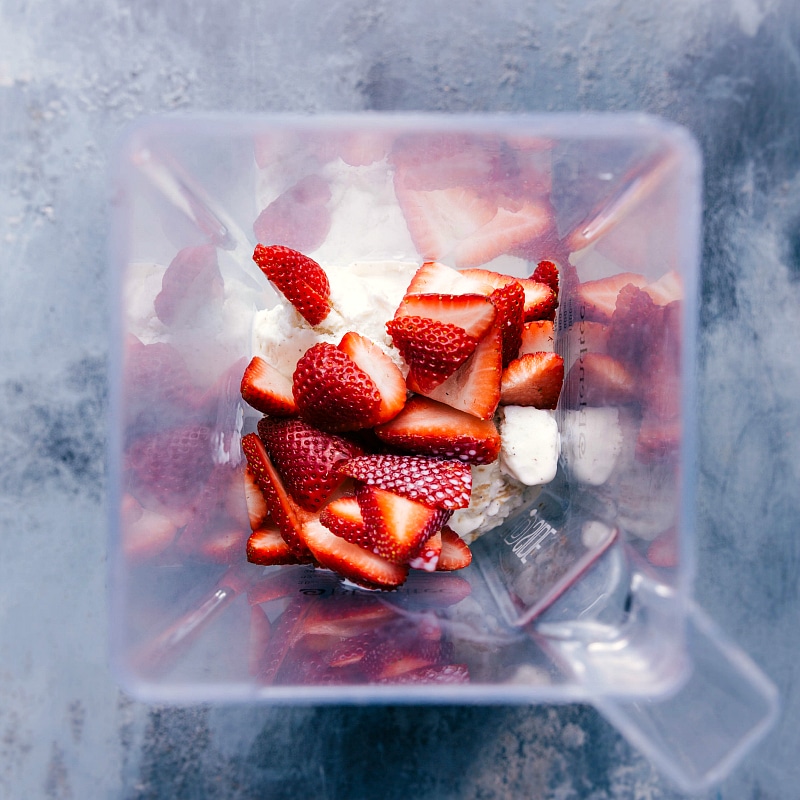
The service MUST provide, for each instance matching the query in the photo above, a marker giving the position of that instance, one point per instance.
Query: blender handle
(697, 734)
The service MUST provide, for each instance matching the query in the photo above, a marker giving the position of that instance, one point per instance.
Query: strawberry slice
(598, 298)
(427, 557)
(436, 673)
(257, 511)
(398, 526)
(538, 336)
(306, 458)
(509, 300)
(547, 272)
(267, 547)
(598, 379)
(288, 516)
(192, 284)
(388, 379)
(455, 552)
(436, 278)
(435, 482)
(540, 300)
(635, 326)
(534, 379)
(433, 350)
(475, 386)
(428, 427)
(299, 278)
(355, 563)
(343, 517)
(472, 312)
(258, 640)
(146, 534)
(266, 390)
(332, 392)
(299, 218)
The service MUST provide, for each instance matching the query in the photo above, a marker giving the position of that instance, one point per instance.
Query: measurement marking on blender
(530, 536)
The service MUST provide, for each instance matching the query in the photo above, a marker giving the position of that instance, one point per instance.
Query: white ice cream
(531, 444)
(592, 441)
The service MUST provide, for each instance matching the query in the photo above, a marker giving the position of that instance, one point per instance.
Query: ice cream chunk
(531, 444)
(592, 441)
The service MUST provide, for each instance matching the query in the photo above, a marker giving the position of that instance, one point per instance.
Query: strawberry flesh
(534, 379)
(455, 552)
(266, 390)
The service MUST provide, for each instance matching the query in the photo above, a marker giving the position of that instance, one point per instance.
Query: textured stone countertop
(69, 81)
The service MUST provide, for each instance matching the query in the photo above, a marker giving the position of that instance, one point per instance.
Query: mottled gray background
(72, 74)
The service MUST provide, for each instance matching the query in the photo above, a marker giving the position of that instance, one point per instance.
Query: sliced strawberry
(540, 300)
(667, 289)
(433, 350)
(635, 326)
(358, 565)
(436, 278)
(257, 511)
(398, 526)
(299, 218)
(475, 386)
(388, 379)
(472, 312)
(299, 278)
(534, 379)
(435, 482)
(332, 392)
(306, 458)
(287, 515)
(427, 557)
(510, 303)
(219, 543)
(191, 284)
(435, 673)
(537, 336)
(348, 615)
(455, 552)
(547, 272)
(343, 517)
(266, 546)
(658, 439)
(598, 379)
(428, 427)
(598, 298)
(388, 660)
(146, 534)
(260, 633)
(266, 390)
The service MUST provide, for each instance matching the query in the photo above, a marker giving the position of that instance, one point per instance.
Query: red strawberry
(299, 278)
(435, 673)
(475, 386)
(348, 615)
(597, 299)
(266, 390)
(534, 379)
(266, 546)
(145, 533)
(299, 218)
(540, 300)
(455, 552)
(470, 311)
(389, 660)
(598, 379)
(388, 379)
(538, 336)
(355, 563)
(635, 326)
(435, 482)
(431, 428)
(398, 526)
(436, 278)
(547, 272)
(220, 543)
(667, 289)
(168, 466)
(260, 633)
(288, 516)
(343, 517)
(427, 557)
(306, 458)
(433, 350)
(257, 510)
(332, 392)
(510, 303)
(191, 284)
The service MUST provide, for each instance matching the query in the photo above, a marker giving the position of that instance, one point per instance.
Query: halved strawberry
(306, 458)
(540, 300)
(635, 326)
(299, 278)
(355, 563)
(266, 546)
(438, 483)
(191, 283)
(433, 277)
(257, 511)
(435, 673)
(369, 357)
(510, 303)
(390, 659)
(427, 557)
(428, 427)
(472, 312)
(299, 218)
(475, 386)
(219, 543)
(598, 298)
(266, 390)
(534, 379)
(598, 379)
(287, 515)
(333, 392)
(538, 336)
(398, 526)
(455, 552)
(433, 350)
(343, 517)
(547, 272)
